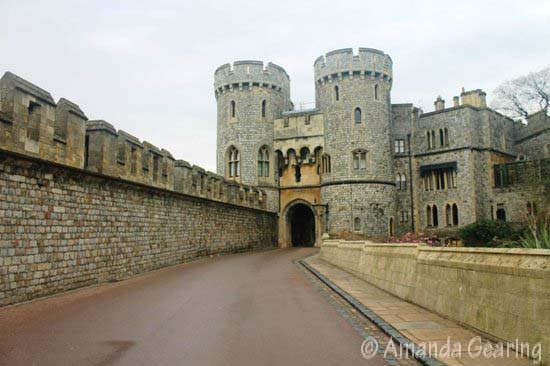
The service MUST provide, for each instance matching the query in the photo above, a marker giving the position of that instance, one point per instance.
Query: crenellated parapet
(32, 124)
(251, 74)
(343, 63)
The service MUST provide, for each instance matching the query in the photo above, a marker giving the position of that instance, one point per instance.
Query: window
(455, 214)
(392, 229)
(448, 215)
(304, 154)
(357, 224)
(234, 166)
(357, 115)
(263, 108)
(446, 137)
(326, 163)
(359, 160)
(399, 146)
(433, 139)
(404, 216)
(285, 123)
(263, 162)
(33, 129)
(307, 119)
(435, 221)
(298, 173)
(280, 162)
(429, 140)
(336, 93)
(431, 216)
(501, 213)
(376, 91)
(441, 138)
(403, 182)
(232, 109)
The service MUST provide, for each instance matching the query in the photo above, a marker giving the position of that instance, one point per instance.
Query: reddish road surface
(246, 309)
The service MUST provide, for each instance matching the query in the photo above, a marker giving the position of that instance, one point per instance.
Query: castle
(358, 165)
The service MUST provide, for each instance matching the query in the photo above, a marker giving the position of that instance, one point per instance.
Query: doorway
(302, 225)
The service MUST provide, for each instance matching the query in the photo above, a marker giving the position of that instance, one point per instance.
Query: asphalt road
(244, 309)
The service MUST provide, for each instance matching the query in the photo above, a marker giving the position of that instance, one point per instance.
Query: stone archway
(299, 225)
(302, 225)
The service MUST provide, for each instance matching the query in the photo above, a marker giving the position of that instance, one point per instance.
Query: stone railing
(502, 292)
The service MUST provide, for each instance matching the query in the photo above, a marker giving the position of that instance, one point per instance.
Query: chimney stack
(475, 98)
(456, 101)
(439, 103)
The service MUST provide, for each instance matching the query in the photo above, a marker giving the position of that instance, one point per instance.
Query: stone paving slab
(418, 324)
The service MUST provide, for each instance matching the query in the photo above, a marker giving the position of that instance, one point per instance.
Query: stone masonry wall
(63, 228)
(502, 292)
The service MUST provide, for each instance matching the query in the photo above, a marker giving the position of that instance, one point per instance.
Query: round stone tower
(353, 92)
(249, 97)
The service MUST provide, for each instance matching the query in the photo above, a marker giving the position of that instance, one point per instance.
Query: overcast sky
(147, 66)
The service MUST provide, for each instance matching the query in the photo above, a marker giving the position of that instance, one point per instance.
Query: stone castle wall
(82, 203)
(487, 289)
(67, 228)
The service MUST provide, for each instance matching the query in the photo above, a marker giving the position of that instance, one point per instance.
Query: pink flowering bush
(421, 237)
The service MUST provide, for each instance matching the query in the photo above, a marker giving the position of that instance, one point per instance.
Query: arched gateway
(300, 225)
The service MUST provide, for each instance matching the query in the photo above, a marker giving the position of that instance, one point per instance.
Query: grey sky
(147, 66)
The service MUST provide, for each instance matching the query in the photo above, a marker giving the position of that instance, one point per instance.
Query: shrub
(536, 237)
(487, 233)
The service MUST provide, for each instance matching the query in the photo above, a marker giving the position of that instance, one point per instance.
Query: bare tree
(527, 94)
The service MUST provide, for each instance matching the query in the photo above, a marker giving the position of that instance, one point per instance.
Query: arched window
(433, 139)
(398, 181)
(429, 217)
(234, 164)
(336, 93)
(392, 229)
(280, 162)
(441, 138)
(263, 162)
(357, 224)
(263, 108)
(304, 153)
(429, 140)
(359, 159)
(448, 215)
(357, 115)
(435, 219)
(403, 182)
(455, 214)
(376, 91)
(446, 137)
(232, 108)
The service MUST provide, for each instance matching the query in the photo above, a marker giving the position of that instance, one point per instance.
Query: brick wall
(64, 228)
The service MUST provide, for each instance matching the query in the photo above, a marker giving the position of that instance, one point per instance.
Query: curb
(418, 353)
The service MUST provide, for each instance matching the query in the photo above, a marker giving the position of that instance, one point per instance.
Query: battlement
(344, 63)
(245, 74)
(32, 124)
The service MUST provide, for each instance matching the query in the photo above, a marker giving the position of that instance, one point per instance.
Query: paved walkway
(245, 309)
(417, 324)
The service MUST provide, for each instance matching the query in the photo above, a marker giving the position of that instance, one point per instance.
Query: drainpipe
(411, 182)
